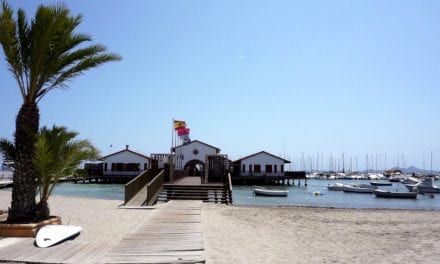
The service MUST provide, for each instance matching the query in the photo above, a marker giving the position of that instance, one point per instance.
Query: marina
(298, 195)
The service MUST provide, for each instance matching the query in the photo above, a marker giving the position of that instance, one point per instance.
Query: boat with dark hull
(427, 185)
(379, 183)
(388, 194)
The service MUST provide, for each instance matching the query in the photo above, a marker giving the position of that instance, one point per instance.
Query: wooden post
(171, 168)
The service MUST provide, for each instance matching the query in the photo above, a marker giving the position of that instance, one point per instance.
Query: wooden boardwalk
(24, 250)
(172, 234)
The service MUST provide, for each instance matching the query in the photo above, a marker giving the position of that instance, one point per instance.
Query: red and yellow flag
(182, 131)
(179, 124)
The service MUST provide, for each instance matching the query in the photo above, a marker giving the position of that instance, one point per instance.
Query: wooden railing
(154, 187)
(229, 193)
(135, 185)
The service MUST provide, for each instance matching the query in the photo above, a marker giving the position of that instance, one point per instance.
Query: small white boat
(269, 192)
(53, 234)
(411, 180)
(336, 187)
(388, 194)
(363, 188)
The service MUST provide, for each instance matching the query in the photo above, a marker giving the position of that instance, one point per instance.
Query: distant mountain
(413, 169)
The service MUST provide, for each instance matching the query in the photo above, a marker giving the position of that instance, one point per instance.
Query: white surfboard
(52, 234)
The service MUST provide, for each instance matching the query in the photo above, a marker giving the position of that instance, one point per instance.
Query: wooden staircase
(215, 193)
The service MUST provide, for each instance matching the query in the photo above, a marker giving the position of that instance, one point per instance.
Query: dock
(172, 234)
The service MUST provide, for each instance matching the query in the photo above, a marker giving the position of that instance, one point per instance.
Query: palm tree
(42, 56)
(57, 154)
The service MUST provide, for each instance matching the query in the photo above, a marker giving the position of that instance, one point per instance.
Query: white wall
(185, 153)
(262, 159)
(124, 157)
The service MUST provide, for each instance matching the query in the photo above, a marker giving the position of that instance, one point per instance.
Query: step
(198, 192)
(197, 187)
(205, 201)
(194, 194)
(194, 197)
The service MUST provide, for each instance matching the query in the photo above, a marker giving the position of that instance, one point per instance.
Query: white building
(260, 164)
(191, 157)
(125, 163)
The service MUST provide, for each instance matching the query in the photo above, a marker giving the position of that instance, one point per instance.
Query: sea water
(298, 195)
(85, 190)
(316, 194)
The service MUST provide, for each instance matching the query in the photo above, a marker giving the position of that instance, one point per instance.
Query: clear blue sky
(319, 77)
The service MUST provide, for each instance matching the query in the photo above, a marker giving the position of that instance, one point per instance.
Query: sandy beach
(100, 219)
(236, 234)
(247, 234)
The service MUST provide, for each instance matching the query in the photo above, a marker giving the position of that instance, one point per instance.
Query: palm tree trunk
(43, 211)
(23, 206)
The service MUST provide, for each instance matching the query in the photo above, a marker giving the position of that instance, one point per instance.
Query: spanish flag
(179, 124)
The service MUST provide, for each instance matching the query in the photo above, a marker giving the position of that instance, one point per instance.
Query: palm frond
(58, 154)
(7, 148)
(10, 44)
(44, 54)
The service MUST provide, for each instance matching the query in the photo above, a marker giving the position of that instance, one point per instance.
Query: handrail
(154, 187)
(136, 184)
(229, 194)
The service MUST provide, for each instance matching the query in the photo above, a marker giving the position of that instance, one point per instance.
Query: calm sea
(298, 195)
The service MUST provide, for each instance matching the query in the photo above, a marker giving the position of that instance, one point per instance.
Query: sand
(235, 234)
(101, 220)
(246, 234)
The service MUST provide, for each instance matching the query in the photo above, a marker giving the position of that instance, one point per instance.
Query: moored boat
(395, 179)
(269, 192)
(336, 187)
(427, 186)
(377, 183)
(389, 194)
(363, 188)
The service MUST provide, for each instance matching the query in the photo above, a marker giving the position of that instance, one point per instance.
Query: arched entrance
(194, 168)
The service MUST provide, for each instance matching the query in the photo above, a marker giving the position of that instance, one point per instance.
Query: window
(268, 168)
(105, 166)
(275, 168)
(126, 166)
(133, 166)
(145, 166)
(282, 168)
(244, 168)
(257, 168)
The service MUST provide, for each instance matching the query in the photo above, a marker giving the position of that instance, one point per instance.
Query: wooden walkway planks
(67, 252)
(173, 234)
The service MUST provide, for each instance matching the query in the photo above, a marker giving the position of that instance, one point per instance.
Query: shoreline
(253, 205)
(333, 207)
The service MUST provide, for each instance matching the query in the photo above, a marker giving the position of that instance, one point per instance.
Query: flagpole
(172, 136)
(171, 153)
